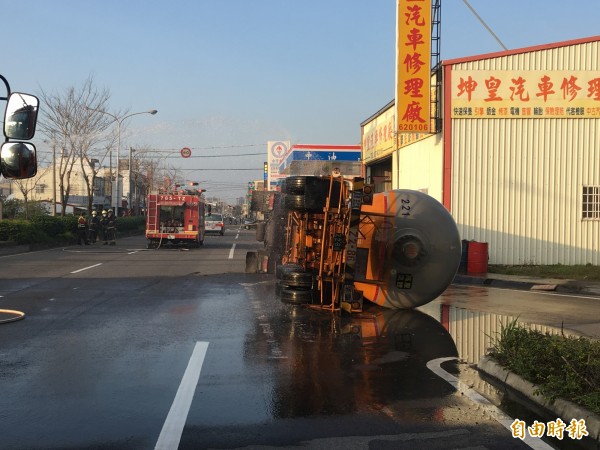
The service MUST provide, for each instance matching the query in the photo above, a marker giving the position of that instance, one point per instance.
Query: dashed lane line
(86, 268)
(170, 435)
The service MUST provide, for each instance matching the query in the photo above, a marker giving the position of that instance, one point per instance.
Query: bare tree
(142, 165)
(27, 185)
(151, 173)
(74, 121)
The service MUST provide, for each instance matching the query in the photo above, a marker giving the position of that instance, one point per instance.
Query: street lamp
(119, 120)
(129, 195)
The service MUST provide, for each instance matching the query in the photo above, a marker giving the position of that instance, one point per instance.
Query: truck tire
(298, 202)
(295, 296)
(294, 202)
(295, 185)
(313, 186)
(297, 279)
(316, 187)
(285, 268)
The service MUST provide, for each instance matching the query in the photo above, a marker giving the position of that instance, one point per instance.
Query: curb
(568, 287)
(484, 281)
(564, 409)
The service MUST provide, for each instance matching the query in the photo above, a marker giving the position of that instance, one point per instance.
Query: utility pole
(53, 179)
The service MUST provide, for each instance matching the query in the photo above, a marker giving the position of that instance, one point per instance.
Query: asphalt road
(127, 348)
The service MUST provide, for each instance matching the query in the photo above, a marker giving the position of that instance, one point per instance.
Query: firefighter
(82, 226)
(111, 228)
(104, 226)
(94, 227)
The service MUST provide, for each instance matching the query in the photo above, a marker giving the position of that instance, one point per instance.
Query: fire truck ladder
(153, 219)
(152, 215)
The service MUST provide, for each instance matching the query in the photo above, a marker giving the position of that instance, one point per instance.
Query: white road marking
(435, 366)
(86, 268)
(231, 252)
(170, 435)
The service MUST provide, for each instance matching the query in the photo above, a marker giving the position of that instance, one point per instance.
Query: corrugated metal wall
(517, 183)
(475, 332)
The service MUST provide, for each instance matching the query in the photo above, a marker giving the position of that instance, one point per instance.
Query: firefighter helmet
(103, 211)
(110, 210)
(94, 213)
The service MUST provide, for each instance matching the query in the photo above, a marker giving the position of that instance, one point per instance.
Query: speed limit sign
(186, 152)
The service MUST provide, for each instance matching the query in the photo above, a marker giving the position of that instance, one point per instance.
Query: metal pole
(112, 186)
(54, 180)
(118, 197)
(129, 196)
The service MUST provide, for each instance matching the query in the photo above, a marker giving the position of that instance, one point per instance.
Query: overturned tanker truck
(333, 244)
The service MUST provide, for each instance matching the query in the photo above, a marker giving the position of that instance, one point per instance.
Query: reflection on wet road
(323, 380)
(100, 357)
(480, 316)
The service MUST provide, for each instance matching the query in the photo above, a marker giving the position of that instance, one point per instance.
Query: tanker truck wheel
(294, 202)
(290, 267)
(295, 185)
(293, 296)
(297, 279)
(314, 186)
(303, 202)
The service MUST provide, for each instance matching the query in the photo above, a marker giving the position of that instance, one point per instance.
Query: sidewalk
(577, 287)
(526, 390)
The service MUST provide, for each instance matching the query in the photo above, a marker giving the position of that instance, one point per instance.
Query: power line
(207, 168)
(216, 147)
(216, 156)
(485, 25)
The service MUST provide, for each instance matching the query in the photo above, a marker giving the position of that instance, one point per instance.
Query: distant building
(40, 188)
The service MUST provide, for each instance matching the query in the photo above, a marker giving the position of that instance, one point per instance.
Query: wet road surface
(110, 337)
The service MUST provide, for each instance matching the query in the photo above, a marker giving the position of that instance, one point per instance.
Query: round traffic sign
(186, 152)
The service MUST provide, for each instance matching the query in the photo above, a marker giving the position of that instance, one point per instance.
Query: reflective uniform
(104, 226)
(111, 228)
(82, 226)
(94, 227)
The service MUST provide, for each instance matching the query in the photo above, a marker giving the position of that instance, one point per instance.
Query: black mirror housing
(20, 118)
(18, 160)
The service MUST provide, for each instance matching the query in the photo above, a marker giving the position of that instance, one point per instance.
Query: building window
(40, 188)
(591, 202)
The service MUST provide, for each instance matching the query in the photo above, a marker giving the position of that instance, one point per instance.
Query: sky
(227, 76)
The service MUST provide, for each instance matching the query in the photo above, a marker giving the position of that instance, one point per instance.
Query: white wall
(419, 166)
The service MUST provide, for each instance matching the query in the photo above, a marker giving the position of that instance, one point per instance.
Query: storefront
(517, 164)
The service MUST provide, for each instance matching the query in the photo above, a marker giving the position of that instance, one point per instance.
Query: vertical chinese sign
(413, 66)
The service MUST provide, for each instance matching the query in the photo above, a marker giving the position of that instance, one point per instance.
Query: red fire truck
(175, 218)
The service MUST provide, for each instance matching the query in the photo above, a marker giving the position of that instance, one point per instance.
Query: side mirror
(20, 117)
(18, 160)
